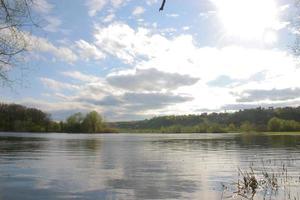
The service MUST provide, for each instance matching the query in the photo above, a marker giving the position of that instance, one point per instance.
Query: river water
(139, 166)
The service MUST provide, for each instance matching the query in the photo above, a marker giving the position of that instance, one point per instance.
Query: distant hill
(243, 120)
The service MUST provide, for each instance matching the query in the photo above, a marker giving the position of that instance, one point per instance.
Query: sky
(127, 61)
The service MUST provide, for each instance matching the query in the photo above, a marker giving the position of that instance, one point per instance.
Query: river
(138, 166)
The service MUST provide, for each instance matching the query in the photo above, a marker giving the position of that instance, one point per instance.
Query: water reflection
(133, 166)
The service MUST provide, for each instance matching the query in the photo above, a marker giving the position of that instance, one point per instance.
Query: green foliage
(73, 123)
(93, 123)
(275, 124)
(17, 118)
(89, 123)
(247, 127)
(249, 120)
(231, 128)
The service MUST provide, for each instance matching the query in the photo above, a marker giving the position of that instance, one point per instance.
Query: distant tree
(202, 128)
(244, 120)
(274, 124)
(54, 127)
(93, 123)
(231, 127)
(19, 118)
(290, 125)
(215, 128)
(247, 127)
(74, 123)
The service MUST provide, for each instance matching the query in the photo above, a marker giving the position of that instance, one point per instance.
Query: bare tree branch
(162, 6)
(14, 15)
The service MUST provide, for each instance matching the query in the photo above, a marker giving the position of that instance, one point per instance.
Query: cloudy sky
(128, 61)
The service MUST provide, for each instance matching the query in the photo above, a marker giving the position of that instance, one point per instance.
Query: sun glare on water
(249, 19)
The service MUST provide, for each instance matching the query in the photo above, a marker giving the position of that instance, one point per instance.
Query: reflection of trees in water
(85, 145)
(21, 144)
(32, 144)
(268, 141)
(197, 144)
(244, 141)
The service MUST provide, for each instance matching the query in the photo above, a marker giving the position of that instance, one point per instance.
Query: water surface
(139, 166)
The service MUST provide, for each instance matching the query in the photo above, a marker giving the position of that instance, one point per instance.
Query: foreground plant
(263, 184)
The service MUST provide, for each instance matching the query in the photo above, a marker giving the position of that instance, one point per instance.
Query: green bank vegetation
(250, 120)
(18, 118)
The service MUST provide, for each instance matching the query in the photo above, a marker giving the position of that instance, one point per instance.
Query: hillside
(259, 119)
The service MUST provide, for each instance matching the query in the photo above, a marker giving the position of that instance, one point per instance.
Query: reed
(263, 183)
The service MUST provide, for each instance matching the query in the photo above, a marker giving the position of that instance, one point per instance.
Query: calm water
(123, 166)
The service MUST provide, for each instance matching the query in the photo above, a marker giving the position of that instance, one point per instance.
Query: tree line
(18, 118)
(248, 120)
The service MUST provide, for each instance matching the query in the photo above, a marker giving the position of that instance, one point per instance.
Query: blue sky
(128, 61)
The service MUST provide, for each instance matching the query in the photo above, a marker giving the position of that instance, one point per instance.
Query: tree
(93, 123)
(19, 118)
(247, 126)
(14, 15)
(274, 124)
(74, 123)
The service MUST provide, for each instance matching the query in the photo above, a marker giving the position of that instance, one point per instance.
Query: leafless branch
(162, 5)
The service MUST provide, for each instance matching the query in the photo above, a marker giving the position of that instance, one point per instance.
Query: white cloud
(151, 2)
(149, 52)
(138, 11)
(53, 24)
(150, 80)
(257, 95)
(89, 51)
(186, 28)
(45, 8)
(156, 58)
(40, 44)
(80, 76)
(117, 3)
(109, 18)
(174, 15)
(57, 85)
(146, 50)
(94, 6)
(42, 6)
(120, 40)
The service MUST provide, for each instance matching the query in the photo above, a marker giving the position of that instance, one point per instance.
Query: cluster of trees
(89, 123)
(18, 118)
(276, 125)
(259, 120)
